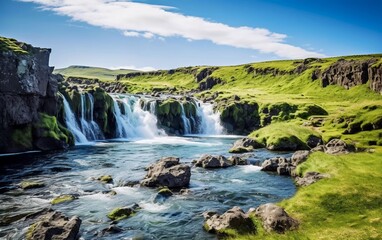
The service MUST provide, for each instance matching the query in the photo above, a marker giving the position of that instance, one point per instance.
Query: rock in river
(167, 172)
(210, 161)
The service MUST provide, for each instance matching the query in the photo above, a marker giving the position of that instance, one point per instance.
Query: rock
(112, 229)
(274, 218)
(314, 141)
(105, 179)
(210, 161)
(169, 173)
(245, 145)
(236, 160)
(163, 194)
(63, 198)
(320, 148)
(280, 165)
(338, 146)
(309, 178)
(299, 157)
(29, 185)
(27, 90)
(122, 212)
(54, 225)
(234, 219)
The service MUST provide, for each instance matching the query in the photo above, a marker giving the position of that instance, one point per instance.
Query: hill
(103, 74)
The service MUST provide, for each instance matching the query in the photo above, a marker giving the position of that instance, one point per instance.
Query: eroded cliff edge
(29, 100)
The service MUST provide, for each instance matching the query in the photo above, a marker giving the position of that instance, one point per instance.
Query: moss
(165, 192)
(10, 44)
(63, 198)
(50, 128)
(23, 136)
(31, 184)
(241, 150)
(284, 136)
(118, 214)
(105, 179)
(30, 232)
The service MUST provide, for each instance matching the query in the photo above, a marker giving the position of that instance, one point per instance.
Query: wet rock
(31, 184)
(210, 161)
(234, 219)
(63, 198)
(281, 165)
(299, 157)
(309, 178)
(274, 218)
(245, 145)
(112, 229)
(105, 179)
(122, 212)
(236, 160)
(168, 172)
(54, 225)
(163, 194)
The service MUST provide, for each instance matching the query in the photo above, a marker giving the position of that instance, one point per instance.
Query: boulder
(338, 146)
(234, 219)
(236, 160)
(281, 165)
(245, 145)
(167, 172)
(122, 212)
(31, 184)
(274, 218)
(299, 157)
(309, 178)
(54, 225)
(210, 161)
(63, 198)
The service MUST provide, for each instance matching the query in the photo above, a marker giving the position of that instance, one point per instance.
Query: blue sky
(164, 34)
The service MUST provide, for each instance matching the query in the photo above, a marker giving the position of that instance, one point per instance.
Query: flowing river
(179, 217)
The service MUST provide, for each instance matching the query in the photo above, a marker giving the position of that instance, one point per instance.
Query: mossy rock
(118, 214)
(105, 179)
(31, 184)
(63, 198)
(241, 150)
(165, 192)
(22, 136)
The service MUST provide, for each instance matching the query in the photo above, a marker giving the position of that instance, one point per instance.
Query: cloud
(149, 21)
(132, 67)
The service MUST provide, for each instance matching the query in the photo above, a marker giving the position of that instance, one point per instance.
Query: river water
(178, 217)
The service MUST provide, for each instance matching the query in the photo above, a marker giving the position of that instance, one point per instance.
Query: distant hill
(103, 74)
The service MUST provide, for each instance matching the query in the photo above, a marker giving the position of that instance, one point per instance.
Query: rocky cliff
(28, 100)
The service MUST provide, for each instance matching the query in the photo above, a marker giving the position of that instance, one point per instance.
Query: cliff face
(28, 101)
(352, 73)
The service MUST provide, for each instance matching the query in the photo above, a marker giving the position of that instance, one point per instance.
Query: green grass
(281, 133)
(10, 44)
(348, 205)
(102, 74)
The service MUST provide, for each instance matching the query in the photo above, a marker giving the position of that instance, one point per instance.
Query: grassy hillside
(91, 72)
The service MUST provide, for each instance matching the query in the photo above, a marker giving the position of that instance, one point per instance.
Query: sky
(166, 34)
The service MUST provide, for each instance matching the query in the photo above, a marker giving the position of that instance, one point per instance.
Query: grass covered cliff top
(10, 44)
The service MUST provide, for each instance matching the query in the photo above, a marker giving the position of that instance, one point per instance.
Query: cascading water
(71, 123)
(186, 122)
(89, 127)
(138, 120)
(209, 120)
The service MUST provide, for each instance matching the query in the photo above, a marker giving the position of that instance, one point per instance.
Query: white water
(89, 127)
(210, 121)
(186, 122)
(71, 123)
(136, 122)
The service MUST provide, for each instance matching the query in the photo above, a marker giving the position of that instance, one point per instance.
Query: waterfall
(89, 127)
(71, 123)
(186, 122)
(138, 120)
(209, 120)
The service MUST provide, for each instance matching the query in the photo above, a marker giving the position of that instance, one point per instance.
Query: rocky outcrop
(350, 73)
(234, 219)
(274, 218)
(84, 83)
(338, 146)
(299, 157)
(167, 172)
(209, 83)
(239, 117)
(281, 165)
(210, 161)
(28, 101)
(245, 145)
(54, 225)
(309, 178)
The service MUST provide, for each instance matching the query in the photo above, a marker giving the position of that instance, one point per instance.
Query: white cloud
(132, 67)
(149, 21)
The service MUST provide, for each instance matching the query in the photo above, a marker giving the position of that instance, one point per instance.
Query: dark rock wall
(27, 90)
